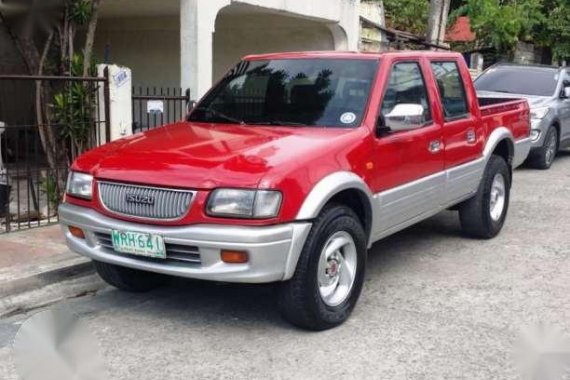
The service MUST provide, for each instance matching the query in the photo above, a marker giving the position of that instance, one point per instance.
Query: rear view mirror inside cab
(404, 117)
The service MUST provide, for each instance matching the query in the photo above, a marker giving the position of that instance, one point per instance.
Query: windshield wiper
(221, 115)
(276, 122)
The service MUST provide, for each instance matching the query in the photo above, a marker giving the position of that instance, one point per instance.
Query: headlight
(80, 185)
(539, 113)
(238, 203)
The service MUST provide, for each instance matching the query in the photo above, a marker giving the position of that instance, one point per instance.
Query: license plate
(138, 243)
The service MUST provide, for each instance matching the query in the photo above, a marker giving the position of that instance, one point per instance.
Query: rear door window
(451, 90)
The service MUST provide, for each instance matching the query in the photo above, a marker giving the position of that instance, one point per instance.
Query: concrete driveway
(435, 306)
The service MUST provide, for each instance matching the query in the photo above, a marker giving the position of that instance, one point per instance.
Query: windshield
(519, 80)
(312, 92)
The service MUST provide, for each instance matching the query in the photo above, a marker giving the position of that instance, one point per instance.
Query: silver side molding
(402, 206)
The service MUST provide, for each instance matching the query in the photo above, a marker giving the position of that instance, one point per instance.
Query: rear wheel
(130, 280)
(543, 157)
(483, 215)
(330, 272)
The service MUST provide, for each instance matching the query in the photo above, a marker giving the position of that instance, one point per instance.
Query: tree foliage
(43, 32)
(73, 110)
(503, 23)
(554, 32)
(408, 15)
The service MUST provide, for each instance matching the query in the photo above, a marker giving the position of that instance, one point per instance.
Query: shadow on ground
(200, 302)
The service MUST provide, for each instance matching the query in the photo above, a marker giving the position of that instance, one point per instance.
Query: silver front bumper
(273, 251)
(541, 126)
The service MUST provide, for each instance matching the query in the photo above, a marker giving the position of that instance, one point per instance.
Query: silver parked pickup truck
(547, 90)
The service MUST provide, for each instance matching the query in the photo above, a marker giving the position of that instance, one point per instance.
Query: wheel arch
(345, 188)
(501, 142)
(556, 125)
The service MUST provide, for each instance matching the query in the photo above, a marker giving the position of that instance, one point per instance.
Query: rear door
(463, 134)
(463, 131)
(409, 163)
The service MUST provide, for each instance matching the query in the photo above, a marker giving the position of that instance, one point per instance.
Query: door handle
(471, 136)
(435, 146)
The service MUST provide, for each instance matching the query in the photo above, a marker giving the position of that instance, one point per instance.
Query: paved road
(435, 306)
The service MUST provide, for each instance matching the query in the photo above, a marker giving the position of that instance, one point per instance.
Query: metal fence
(155, 107)
(45, 122)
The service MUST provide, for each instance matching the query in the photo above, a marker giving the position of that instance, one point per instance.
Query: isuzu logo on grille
(140, 199)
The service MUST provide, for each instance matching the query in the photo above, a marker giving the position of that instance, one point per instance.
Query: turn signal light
(234, 257)
(77, 232)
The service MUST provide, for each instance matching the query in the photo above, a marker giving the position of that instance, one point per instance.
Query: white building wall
(176, 43)
(149, 46)
(239, 35)
(198, 24)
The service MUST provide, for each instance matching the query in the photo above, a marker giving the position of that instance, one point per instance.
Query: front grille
(176, 252)
(145, 202)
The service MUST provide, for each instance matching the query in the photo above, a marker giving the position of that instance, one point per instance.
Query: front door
(408, 160)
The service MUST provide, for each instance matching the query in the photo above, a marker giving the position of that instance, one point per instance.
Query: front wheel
(543, 157)
(483, 215)
(330, 272)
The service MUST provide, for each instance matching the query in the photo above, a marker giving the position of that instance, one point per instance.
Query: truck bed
(507, 112)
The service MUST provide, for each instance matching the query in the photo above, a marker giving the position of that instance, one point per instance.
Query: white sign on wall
(155, 106)
(121, 77)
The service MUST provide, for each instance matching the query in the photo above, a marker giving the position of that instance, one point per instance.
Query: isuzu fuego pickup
(290, 168)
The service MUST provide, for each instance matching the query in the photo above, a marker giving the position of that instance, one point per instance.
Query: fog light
(77, 232)
(234, 257)
(534, 134)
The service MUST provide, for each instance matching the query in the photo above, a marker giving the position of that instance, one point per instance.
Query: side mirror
(566, 93)
(404, 117)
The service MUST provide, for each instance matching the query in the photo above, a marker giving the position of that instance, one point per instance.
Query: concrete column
(348, 37)
(120, 105)
(339, 37)
(197, 24)
(437, 21)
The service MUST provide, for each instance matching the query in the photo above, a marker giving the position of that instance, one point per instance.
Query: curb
(20, 279)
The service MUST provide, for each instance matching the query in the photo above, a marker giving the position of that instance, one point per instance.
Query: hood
(533, 101)
(206, 156)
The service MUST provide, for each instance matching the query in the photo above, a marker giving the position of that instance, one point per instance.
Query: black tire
(300, 301)
(543, 157)
(475, 213)
(130, 280)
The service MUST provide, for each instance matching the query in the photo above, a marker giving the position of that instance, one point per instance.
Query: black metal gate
(65, 115)
(154, 107)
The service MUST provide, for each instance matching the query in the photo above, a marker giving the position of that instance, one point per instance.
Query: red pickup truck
(290, 168)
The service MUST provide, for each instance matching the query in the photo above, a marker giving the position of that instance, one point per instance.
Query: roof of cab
(351, 55)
